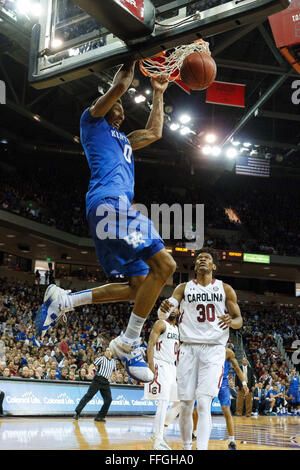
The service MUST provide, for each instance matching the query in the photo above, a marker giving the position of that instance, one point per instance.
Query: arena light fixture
(23, 6)
(231, 153)
(174, 126)
(185, 130)
(235, 143)
(247, 144)
(140, 99)
(210, 138)
(148, 91)
(35, 9)
(206, 150)
(184, 118)
(216, 151)
(168, 109)
(56, 43)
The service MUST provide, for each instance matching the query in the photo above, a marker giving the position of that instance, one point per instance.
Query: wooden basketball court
(133, 433)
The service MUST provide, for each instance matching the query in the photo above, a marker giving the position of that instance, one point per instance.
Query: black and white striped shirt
(105, 366)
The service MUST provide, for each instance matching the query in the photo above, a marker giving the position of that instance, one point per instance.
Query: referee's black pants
(99, 384)
(2, 395)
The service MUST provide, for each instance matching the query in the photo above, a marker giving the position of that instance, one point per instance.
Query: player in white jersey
(162, 352)
(208, 307)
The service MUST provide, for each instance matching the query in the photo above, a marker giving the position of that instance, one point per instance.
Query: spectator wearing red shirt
(63, 346)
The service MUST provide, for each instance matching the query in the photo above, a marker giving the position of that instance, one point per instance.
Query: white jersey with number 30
(199, 311)
(166, 348)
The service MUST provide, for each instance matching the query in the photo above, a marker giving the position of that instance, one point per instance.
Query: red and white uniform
(202, 354)
(164, 386)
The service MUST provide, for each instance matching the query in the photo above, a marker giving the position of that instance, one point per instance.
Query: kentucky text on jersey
(119, 135)
(205, 297)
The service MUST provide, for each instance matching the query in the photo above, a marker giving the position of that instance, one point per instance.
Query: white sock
(79, 298)
(134, 326)
(231, 438)
(159, 419)
(172, 412)
(186, 423)
(204, 424)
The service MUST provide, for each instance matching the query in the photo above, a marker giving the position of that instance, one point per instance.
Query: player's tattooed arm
(233, 319)
(230, 356)
(153, 129)
(142, 137)
(121, 82)
(158, 328)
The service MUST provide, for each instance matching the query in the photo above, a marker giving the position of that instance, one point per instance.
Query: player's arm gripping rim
(121, 82)
(234, 318)
(230, 356)
(153, 130)
(159, 327)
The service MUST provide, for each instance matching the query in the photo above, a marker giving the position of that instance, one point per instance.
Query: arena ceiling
(48, 120)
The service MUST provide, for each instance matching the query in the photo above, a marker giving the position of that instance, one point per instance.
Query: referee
(100, 383)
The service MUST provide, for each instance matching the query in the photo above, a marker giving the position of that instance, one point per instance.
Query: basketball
(198, 71)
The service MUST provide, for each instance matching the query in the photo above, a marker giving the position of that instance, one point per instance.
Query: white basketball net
(170, 65)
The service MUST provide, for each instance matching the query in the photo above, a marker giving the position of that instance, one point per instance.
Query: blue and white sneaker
(130, 353)
(55, 306)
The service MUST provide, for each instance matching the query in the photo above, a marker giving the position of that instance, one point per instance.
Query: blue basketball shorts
(224, 395)
(296, 396)
(124, 238)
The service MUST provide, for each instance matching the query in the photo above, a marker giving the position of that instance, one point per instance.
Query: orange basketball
(198, 71)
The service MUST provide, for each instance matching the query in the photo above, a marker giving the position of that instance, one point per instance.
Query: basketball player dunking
(162, 351)
(126, 242)
(208, 307)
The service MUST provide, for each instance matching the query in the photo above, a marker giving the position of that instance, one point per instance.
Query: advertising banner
(30, 397)
(228, 94)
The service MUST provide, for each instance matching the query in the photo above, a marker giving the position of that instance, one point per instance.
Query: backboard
(68, 43)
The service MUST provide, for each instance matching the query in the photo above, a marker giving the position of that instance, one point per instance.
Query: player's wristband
(244, 382)
(164, 315)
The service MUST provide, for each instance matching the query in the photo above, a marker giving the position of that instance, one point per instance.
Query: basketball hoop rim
(173, 69)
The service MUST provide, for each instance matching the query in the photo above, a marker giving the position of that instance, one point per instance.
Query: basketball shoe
(54, 307)
(161, 445)
(130, 353)
(232, 445)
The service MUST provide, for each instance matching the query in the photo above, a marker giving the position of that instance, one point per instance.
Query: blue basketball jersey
(268, 394)
(294, 384)
(282, 389)
(109, 155)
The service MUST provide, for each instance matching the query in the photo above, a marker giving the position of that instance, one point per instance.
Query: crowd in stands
(262, 323)
(68, 351)
(233, 203)
(28, 197)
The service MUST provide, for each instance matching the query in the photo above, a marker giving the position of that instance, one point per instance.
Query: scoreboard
(223, 255)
